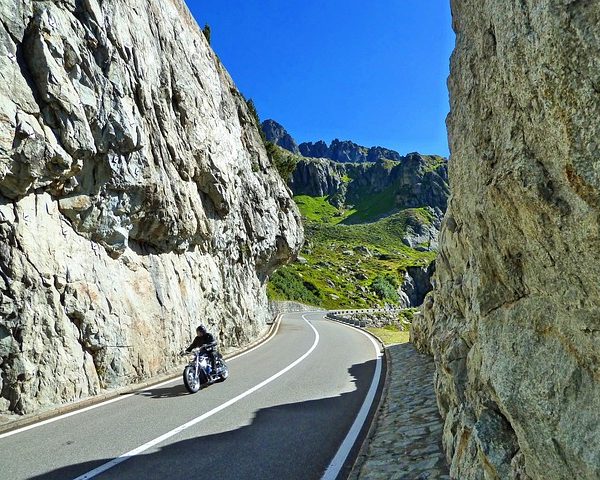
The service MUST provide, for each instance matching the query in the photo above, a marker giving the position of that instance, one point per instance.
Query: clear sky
(373, 72)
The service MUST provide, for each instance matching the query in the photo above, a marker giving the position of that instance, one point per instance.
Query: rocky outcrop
(414, 182)
(513, 321)
(316, 177)
(345, 151)
(137, 199)
(274, 132)
(417, 284)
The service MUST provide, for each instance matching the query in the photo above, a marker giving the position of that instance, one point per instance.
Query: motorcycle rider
(206, 340)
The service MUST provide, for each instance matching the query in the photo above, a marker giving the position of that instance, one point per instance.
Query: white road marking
(181, 428)
(121, 397)
(340, 457)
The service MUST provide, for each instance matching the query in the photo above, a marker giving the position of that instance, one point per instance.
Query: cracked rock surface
(513, 323)
(136, 198)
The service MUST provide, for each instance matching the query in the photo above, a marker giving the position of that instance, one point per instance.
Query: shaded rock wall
(136, 198)
(417, 181)
(316, 177)
(514, 319)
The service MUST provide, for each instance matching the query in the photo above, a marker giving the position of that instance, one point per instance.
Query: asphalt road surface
(290, 409)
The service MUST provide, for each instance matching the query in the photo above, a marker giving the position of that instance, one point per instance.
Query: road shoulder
(406, 441)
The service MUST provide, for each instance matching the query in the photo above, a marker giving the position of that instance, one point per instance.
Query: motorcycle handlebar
(208, 346)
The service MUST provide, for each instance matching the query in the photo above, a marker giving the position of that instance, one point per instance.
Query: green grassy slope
(343, 265)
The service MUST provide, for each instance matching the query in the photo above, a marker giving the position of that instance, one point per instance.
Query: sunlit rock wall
(136, 198)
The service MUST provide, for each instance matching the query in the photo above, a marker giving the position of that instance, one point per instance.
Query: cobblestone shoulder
(406, 442)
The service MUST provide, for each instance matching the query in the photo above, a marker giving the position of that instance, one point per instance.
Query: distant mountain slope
(345, 151)
(360, 265)
(374, 190)
(371, 226)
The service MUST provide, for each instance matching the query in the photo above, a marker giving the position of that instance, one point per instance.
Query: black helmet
(201, 329)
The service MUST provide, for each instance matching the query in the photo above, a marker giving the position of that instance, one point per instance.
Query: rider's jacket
(200, 340)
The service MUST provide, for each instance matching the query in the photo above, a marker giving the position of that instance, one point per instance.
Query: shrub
(255, 117)
(385, 286)
(288, 285)
(206, 32)
(284, 162)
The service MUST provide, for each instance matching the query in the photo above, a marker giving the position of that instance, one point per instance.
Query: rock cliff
(316, 177)
(514, 319)
(414, 181)
(136, 198)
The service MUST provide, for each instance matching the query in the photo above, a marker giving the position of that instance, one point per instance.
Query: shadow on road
(289, 441)
(165, 392)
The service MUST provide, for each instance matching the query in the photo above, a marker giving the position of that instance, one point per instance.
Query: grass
(286, 284)
(339, 272)
(318, 209)
(374, 206)
(390, 335)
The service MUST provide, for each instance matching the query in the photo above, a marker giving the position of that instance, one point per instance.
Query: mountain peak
(276, 133)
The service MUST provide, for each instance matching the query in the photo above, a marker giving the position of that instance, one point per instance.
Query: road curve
(285, 412)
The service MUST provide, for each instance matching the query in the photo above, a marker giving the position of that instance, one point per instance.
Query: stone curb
(103, 397)
(362, 452)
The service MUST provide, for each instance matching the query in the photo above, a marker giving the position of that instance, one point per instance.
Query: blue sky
(372, 72)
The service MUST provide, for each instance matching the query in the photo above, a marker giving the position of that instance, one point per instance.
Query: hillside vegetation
(349, 265)
(368, 213)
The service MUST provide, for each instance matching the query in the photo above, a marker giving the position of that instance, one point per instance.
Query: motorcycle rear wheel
(224, 373)
(190, 380)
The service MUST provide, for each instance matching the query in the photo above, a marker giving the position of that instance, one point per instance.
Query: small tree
(206, 32)
(254, 114)
(284, 162)
(385, 286)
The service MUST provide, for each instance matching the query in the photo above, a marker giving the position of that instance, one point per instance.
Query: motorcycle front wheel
(190, 380)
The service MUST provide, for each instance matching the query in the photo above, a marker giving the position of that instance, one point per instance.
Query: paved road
(254, 425)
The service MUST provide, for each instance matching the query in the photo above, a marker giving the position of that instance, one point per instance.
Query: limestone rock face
(317, 177)
(415, 181)
(136, 198)
(514, 320)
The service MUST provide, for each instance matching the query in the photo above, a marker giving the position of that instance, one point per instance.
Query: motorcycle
(199, 372)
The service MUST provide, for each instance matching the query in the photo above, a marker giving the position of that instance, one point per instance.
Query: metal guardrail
(351, 321)
(367, 310)
(344, 315)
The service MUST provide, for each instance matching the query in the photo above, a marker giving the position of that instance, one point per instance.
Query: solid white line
(340, 457)
(181, 428)
(121, 397)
